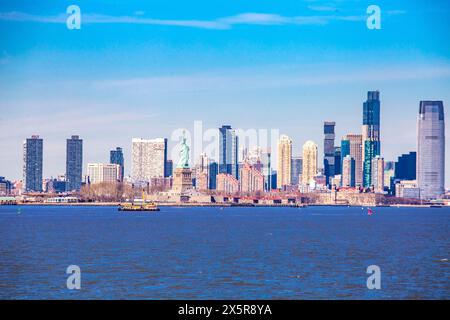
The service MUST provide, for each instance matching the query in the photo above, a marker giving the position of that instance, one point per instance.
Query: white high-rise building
(309, 170)
(378, 174)
(431, 149)
(148, 159)
(284, 161)
(103, 172)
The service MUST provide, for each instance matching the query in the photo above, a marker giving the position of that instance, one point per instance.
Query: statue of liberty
(184, 154)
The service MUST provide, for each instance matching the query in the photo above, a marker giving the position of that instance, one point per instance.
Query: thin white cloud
(321, 8)
(253, 79)
(249, 18)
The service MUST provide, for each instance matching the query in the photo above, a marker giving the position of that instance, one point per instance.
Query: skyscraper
(309, 169)
(168, 167)
(148, 159)
(228, 151)
(370, 134)
(116, 157)
(213, 171)
(32, 164)
(431, 149)
(74, 163)
(405, 167)
(284, 161)
(348, 171)
(337, 160)
(328, 150)
(296, 170)
(378, 174)
(352, 145)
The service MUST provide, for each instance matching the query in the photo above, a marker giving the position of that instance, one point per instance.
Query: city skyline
(347, 145)
(261, 71)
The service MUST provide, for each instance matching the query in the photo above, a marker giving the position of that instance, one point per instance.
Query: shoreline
(116, 204)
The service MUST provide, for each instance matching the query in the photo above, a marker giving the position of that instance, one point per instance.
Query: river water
(231, 253)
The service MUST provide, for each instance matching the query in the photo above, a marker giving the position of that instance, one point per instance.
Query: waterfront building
(103, 172)
(116, 157)
(202, 172)
(250, 179)
(227, 183)
(377, 171)
(319, 182)
(371, 146)
(213, 171)
(337, 160)
(309, 170)
(352, 145)
(348, 171)
(202, 182)
(389, 173)
(431, 149)
(264, 165)
(407, 189)
(160, 184)
(56, 186)
(405, 167)
(228, 151)
(5, 187)
(32, 164)
(296, 170)
(284, 162)
(336, 180)
(273, 180)
(149, 159)
(17, 187)
(74, 163)
(328, 149)
(169, 167)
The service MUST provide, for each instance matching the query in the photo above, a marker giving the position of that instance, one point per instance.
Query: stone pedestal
(182, 181)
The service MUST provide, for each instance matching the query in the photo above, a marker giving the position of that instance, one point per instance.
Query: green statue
(184, 154)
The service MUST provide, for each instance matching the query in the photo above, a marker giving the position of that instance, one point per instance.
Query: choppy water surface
(208, 253)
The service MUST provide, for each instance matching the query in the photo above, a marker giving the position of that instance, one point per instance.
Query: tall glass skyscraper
(74, 163)
(213, 170)
(431, 149)
(296, 170)
(370, 134)
(328, 150)
(116, 157)
(32, 164)
(337, 161)
(228, 151)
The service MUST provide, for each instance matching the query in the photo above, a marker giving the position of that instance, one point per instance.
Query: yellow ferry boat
(143, 206)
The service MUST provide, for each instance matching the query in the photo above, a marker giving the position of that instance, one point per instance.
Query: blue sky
(138, 69)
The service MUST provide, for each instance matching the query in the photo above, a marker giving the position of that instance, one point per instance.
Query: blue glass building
(116, 157)
(328, 150)
(74, 163)
(371, 134)
(32, 168)
(213, 171)
(228, 151)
